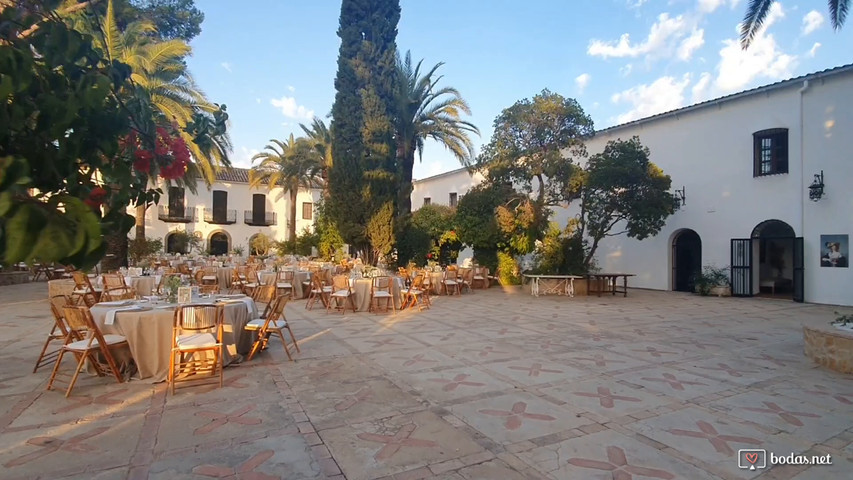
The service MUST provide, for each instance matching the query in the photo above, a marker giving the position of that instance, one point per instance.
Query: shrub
(413, 245)
(711, 277)
(509, 272)
(184, 242)
(261, 244)
(487, 258)
(140, 248)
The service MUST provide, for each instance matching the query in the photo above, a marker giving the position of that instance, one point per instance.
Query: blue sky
(273, 62)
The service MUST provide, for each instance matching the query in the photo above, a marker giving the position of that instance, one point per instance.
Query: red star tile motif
(458, 380)
(516, 415)
(789, 417)
(393, 443)
(719, 442)
(605, 398)
(219, 419)
(618, 466)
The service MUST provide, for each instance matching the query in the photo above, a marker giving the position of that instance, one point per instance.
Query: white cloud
(290, 109)
(636, 3)
(812, 21)
(664, 94)
(701, 90)
(663, 40)
(582, 81)
(690, 44)
(291, 88)
(813, 51)
(626, 70)
(763, 59)
(258, 101)
(708, 6)
(226, 66)
(242, 157)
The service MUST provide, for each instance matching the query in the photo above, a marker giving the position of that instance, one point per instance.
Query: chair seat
(253, 285)
(341, 293)
(450, 282)
(415, 291)
(81, 291)
(283, 285)
(479, 277)
(209, 277)
(83, 345)
(382, 294)
(196, 340)
(257, 323)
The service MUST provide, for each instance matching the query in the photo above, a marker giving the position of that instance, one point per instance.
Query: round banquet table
(299, 278)
(361, 292)
(149, 334)
(144, 286)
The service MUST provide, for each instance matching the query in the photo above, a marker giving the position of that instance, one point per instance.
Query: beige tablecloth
(144, 286)
(299, 291)
(361, 291)
(149, 335)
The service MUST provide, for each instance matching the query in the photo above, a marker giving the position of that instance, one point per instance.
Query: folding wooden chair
(479, 276)
(319, 290)
(451, 283)
(94, 346)
(238, 280)
(208, 281)
(84, 291)
(380, 290)
(341, 295)
(264, 294)
(197, 332)
(465, 279)
(416, 294)
(115, 288)
(273, 323)
(284, 282)
(57, 303)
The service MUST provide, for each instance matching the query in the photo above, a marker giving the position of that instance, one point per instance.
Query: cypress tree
(363, 176)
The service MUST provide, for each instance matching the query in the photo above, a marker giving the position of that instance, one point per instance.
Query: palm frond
(756, 13)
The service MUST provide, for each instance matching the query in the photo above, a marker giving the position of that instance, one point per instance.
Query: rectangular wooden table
(562, 285)
(599, 282)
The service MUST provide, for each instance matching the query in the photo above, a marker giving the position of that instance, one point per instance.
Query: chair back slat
(340, 282)
(382, 283)
(197, 317)
(264, 294)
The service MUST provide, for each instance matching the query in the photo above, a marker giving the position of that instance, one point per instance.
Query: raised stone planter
(14, 278)
(829, 346)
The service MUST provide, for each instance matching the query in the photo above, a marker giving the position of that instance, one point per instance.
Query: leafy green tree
(426, 111)
(623, 193)
(380, 232)
(434, 219)
(757, 12)
(261, 244)
(329, 239)
(291, 165)
(363, 178)
(60, 125)
(172, 19)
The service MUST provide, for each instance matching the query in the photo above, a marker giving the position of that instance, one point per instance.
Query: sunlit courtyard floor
(491, 385)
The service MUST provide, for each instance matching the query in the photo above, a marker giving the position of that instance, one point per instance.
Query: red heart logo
(752, 457)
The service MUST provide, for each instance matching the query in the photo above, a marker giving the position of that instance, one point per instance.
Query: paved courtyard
(492, 385)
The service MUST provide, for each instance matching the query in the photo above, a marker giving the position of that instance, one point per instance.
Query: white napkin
(111, 314)
(246, 300)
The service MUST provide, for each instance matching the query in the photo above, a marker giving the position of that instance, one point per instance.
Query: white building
(229, 213)
(745, 163)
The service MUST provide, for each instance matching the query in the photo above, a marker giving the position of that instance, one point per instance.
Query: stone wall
(830, 347)
(14, 278)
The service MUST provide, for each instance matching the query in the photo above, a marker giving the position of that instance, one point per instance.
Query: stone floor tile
(516, 417)
(448, 385)
(609, 455)
(329, 404)
(606, 397)
(396, 444)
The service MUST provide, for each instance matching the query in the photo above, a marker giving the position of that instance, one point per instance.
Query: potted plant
(843, 322)
(713, 280)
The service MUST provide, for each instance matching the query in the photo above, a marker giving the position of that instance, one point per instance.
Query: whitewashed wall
(239, 199)
(709, 151)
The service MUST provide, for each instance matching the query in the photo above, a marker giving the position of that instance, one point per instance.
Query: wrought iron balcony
(176, 215)
(258, 219)
(220, 217)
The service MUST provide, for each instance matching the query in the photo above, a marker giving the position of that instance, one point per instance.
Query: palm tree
(159, 72)
(291, 165)
(427, 112)
(321, 137)
(757, 12)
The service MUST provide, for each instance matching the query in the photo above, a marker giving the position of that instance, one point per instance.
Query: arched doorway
(774, 270)
(219, 243)
(173, 244)
(686, 259)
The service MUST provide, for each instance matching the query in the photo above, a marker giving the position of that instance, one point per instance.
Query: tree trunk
(140, 221)
(292, 227)
(406, 160)
(116, 256)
